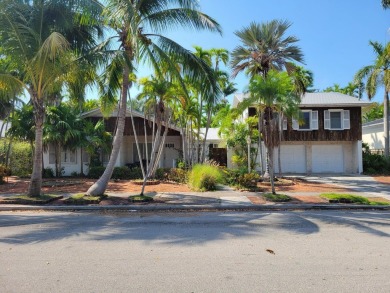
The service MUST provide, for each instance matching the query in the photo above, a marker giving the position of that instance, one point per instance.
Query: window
(308, 121)
(169, 145)
(213, 145)
(336, 119)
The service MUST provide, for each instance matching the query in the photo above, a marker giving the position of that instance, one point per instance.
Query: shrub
(47, 172)
(248, 180)
(162, 173)
(121, 173)
(135, 173)
(375, 164)
(95, 172)
(178, 175)
(204, 177)
(4, 171)
(20, 158)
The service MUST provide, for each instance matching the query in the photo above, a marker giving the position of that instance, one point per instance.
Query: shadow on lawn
(177, 228)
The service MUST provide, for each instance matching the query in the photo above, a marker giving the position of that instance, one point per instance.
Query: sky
(334, 34)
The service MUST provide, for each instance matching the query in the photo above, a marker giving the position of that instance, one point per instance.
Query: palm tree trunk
(136, 142)
(280, 127)
(81, 162)
(7, 162)
(386, 123)
(198, 138)
(100, 186)
(205, 136)
(146, 144)
(35, 186)
(260, 146)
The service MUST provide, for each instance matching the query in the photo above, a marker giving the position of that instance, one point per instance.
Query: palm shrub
(204, 177)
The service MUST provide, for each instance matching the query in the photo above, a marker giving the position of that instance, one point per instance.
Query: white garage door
(293, 159)
(327, 159)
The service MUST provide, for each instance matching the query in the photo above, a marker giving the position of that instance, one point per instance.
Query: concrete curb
(203, 208)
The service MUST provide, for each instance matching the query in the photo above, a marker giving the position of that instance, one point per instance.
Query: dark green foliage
(248, 180)
(81, 199)
(121, 173)
(47, 173)
(95, 172)
(162, 173)
(240, 178)
(374, 163)
(276, 197)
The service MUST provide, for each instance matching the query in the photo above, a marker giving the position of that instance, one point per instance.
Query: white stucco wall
(372, 134)
(5, 128)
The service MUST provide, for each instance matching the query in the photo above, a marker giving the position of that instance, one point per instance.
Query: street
(312, 251)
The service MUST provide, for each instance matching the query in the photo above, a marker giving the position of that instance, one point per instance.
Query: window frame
(345, 118)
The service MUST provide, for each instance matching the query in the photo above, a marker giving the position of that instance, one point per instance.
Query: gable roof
(98, 113)
(328, 99)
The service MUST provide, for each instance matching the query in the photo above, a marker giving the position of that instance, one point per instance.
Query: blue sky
(334, 34)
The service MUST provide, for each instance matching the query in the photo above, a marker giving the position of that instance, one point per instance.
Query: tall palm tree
(137, 26)
(264, 46)
(386, 4)
(375, 76)
(39, 36)
(276, 92)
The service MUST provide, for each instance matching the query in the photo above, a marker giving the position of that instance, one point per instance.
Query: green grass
(276, 197)
(25, 199)
(82, 199)
(140, 198)
(350, 198)
(204, 177)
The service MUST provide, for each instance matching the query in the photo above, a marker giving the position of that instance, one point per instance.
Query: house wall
(5, 127)
(373, 136)
(345, 155)
(352, 134)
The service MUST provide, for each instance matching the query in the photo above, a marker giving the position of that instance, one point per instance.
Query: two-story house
(328, 138)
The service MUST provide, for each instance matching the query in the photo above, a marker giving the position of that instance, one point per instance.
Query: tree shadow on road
(177, 228)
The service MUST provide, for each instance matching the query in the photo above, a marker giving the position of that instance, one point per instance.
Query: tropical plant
(137, 25)
(38, 36)
(276, 93)
(204, 177)
(264, 47)
(375, 76)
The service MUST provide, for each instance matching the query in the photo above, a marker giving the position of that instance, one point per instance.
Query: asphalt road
(324, 251)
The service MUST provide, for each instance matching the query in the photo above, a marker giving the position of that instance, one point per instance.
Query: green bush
(47, 172)
(178, 175)
(135, 173)
(375, 164)
(121, 173)
(162, 173)
(95, 172)
(20, 158)
(204, 177)
(248, 180)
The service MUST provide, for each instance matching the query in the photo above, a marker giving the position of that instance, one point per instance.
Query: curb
(203, 208)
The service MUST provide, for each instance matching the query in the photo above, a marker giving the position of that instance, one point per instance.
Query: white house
(373, 133)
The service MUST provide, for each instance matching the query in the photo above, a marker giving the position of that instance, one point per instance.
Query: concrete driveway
(359, 183)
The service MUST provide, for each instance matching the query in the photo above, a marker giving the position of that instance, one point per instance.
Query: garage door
(327, 159)
(293, 159)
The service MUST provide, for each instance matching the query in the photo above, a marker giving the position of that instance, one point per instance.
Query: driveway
(359, 183)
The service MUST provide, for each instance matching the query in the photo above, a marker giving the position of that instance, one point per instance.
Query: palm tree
(272, 91)
(39, 36)
(130, 20)
(375, 76)
(386, 4)
(264, 46)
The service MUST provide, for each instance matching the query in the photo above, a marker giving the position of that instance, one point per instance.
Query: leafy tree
(375, 76)
(137, 25)
(386, 4)
(372, 112)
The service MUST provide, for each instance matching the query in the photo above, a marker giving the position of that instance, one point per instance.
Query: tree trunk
(81, 163)
(7, 161)
(100, 186)
(35, 186)
(260, 146)
(205, 135)
(198, 138)
(386, 123)
(137, 143)
(280, 127)
(146, 144)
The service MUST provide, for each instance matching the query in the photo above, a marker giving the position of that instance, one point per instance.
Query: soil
(383, 179)
(79, 185)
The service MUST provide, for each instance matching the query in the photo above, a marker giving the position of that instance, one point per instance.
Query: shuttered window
(336, 119)
(307, 121)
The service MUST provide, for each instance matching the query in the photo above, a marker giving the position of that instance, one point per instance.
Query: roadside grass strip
(351, 198)
(29, 200)
(140, 198)
(276, 197)
(82, 199)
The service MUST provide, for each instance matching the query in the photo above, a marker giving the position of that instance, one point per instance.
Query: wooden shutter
(314, 120)
(346, 120)
(326, 119)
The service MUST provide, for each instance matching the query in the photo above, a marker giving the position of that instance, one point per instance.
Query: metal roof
(328, 99)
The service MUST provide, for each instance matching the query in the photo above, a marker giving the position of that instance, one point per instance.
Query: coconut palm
(386, 4)
(137, 26)
(264, 46)
(39, 36)
(375, 76)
